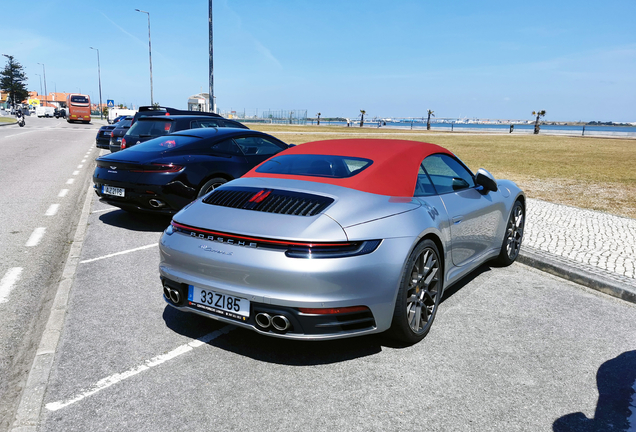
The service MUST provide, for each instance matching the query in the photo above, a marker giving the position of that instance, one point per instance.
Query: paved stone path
(592, 241)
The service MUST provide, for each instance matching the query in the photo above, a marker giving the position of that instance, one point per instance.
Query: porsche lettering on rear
(220, 239)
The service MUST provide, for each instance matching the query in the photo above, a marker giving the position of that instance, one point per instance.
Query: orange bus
(78, 108)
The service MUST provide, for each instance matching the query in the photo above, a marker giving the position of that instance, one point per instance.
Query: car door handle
(457, 219)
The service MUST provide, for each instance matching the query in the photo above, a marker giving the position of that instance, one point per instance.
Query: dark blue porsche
(164, 174)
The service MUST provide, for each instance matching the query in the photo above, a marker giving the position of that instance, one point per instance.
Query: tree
(12, 80)
(536, 122)
(428, 122)
(363, 112)
(318, 122)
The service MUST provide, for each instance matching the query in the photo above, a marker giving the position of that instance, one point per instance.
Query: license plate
(118, 140)
(111, 190)
(219, 304)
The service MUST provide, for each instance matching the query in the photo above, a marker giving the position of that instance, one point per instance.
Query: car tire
(419, 294)
(511, 244)
(210, 185)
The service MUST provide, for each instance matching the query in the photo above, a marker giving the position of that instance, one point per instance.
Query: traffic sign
(110, 103)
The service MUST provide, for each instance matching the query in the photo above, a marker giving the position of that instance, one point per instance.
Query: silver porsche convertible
(340, 238)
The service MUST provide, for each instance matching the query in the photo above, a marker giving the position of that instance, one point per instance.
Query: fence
(296, 117)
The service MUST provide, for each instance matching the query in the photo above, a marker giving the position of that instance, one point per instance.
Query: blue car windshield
(165, 143)
(315, 165)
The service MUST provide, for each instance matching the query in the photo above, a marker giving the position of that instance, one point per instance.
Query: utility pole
(152, 101)
(212, 104)
(99, 75)
(46, 95)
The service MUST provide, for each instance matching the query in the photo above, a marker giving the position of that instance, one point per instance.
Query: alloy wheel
(423, 291)
(514, 232)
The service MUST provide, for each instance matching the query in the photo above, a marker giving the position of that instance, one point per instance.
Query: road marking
(7, 283)
(70, 181)
(83, 160)
(80, 166)
(52, 210)
(62, 193)
(21, 133)
(75, 172)
(105, 210)
(119, 253)
(155, 361)
(36, 236)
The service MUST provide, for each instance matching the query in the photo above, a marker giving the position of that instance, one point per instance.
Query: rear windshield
(123, 123)
(152, 127)
(315, 165)
(79, 99)
(162, 144)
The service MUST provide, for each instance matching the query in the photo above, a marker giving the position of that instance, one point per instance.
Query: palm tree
(363, 112)
(318, 122)
(536, 122)
(428, 122)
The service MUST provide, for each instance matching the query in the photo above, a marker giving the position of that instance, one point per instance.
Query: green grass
(594, 173)
(7, 120)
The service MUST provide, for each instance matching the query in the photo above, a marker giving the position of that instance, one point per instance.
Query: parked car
(118, 133)
(153, 126)
(339, 238)
(154, 111)
(164, 174)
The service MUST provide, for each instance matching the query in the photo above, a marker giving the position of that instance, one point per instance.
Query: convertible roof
(393, 172)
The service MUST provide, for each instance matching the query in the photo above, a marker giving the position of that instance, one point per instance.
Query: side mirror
(486, 180)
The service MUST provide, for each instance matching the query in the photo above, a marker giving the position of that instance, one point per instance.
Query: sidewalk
(589, 247)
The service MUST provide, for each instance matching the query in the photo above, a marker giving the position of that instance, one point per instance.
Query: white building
(200, 102)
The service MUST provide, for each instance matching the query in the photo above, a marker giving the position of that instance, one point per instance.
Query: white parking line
(83, 160)
(70, 181)
(76, 172)
(80, 166)
(52, 210)
(155, 361)
(62, 193)
(119, 253)
(36, 236)
(7, 283)
(105, 210)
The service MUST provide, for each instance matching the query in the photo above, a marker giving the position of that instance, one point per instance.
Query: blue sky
(575, 59)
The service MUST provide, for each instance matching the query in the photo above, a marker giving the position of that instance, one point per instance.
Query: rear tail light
(111, 134)
(123, 143)
(159, 168)
(292, 249)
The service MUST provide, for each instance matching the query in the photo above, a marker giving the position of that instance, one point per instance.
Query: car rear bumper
(277, 284)
(141, 198)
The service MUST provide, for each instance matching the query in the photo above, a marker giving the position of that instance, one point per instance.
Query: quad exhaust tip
(172, 294)
(279, 322)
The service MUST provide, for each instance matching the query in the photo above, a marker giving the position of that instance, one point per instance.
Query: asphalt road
(511, 349)
(45, 168)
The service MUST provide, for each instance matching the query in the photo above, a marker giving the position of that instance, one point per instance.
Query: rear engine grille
(269, 200)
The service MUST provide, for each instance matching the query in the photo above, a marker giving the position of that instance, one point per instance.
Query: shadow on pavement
(136, 221)
(616, 382)
(291, 352)
(270, 349)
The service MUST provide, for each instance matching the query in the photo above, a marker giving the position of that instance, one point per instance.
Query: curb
(600, 280)
(27, 418)
(8, 124)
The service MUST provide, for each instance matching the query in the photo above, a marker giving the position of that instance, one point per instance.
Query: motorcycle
(20, 118)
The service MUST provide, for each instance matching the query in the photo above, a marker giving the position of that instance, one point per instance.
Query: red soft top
(393, 172)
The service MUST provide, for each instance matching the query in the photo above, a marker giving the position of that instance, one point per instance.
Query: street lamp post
(152, 102)
(46, 96)
(99, 76)
(40, 82)
(211, 95)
